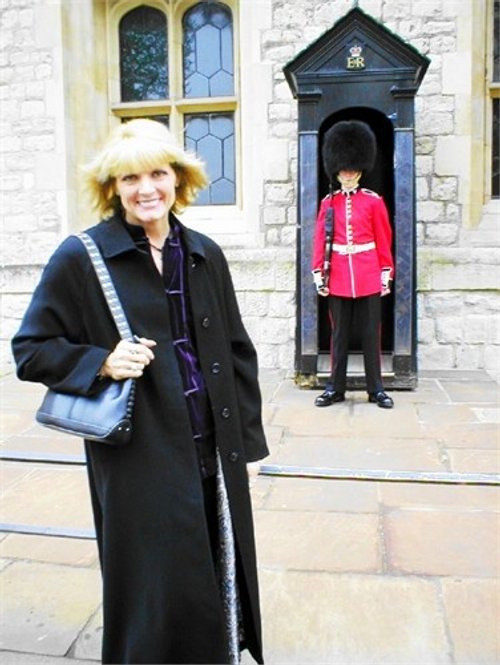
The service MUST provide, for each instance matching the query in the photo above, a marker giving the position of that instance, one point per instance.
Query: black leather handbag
(106, 416)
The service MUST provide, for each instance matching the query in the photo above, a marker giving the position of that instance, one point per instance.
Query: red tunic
(353, 275)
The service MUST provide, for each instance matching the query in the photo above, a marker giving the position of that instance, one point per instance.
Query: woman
(177, 586)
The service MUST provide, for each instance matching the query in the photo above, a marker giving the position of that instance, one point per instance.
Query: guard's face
(148, 196)
(349, 179)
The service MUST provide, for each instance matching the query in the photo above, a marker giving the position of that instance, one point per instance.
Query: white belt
(353, 249)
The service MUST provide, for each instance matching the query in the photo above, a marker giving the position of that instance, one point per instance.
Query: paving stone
(473, 616)
(307, 494)
(428, 390)
(313, 421)
(39, 439)
(474, 461)
(70, 551)
(15, 658)
(260, 490)
(318, 541)
(477, 435)
(12, 474)
(355, 619)
(440, 497)
(89, 643)
(340, 420)
(46, 606)
(48, 495)
(4, 563)
(361, 453)
(440, 542)
(13, 421)
(487, 415)
(436, 414)
(274, 436)
(479, 391)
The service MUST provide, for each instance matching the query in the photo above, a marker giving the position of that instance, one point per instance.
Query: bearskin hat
(349, 145)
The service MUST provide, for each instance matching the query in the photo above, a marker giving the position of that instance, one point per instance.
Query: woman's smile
(148, 196)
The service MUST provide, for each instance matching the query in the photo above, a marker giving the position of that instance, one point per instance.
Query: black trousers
(342, 312)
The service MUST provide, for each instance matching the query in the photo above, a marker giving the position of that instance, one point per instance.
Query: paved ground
(360, 572)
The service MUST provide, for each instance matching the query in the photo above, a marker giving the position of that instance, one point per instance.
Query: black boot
(381, 399)
(329, 397)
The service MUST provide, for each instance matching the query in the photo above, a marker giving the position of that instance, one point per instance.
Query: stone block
(441, 234)
(435, 356)
(475, 461)
(45, 607)
(478, 329)
(321, 496)
(334, 542)
(426, 329)
(67, 551)
(430, 211)
(276, 162)
(276, 193)
(361, 619)
(450, 155)
(456, 73)
(32, 108)
(440, 542)
(435, 123)
(89, 644)
(473, 611)
(282, 304)
(274, 215)
(449, 329)
(470, 356)
(51, 496)
(444, 188)
(339, 450)
(417, 496)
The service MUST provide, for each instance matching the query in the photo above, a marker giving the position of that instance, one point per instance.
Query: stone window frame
(176, 106)
(492, 93)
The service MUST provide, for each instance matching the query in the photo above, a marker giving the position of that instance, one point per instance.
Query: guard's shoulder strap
(337, 191)
(370, 192)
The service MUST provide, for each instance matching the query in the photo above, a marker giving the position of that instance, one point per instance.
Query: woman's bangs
(137, 157)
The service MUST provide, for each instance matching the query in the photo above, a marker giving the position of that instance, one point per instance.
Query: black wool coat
(160, 596)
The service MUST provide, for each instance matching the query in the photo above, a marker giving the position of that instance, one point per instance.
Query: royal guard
(352, 259)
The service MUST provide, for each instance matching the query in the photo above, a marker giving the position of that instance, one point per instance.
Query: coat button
(225, 412)
(205, 322)
(215, 368)
(233, 456)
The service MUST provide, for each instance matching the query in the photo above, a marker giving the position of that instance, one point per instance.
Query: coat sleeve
(245, 366)
(383, 235)
(319, 237)
(50, 345)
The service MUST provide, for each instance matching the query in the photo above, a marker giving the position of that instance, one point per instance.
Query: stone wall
(32, 150)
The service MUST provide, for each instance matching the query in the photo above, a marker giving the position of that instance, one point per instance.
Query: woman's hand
(128, 359)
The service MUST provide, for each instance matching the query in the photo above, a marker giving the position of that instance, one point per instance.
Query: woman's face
(148, 196)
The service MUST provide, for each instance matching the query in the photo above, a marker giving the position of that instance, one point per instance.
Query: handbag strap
(114, 304)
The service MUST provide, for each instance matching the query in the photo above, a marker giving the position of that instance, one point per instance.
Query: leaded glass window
(208, 51)
(193, 92)
(143, 55)
(211, 136)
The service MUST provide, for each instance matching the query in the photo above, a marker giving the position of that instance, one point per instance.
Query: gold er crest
(355, 60)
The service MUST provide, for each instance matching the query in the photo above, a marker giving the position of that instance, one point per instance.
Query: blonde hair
(134, 147)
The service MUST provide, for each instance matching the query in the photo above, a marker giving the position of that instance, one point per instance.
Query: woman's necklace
(158, 249)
